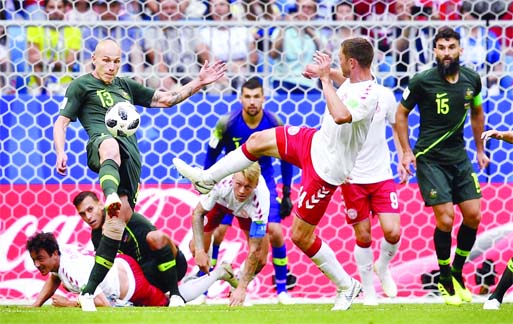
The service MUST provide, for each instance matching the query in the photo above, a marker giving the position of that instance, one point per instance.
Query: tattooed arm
(208, 74)
(255, 261)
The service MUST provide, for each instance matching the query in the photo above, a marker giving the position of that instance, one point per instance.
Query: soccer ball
(122, 119)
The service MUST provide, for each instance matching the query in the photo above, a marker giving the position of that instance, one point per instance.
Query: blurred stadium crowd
(44, 44)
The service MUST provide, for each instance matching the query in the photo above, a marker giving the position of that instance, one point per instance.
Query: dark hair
(64, 2)
(446, 33)
(252, 83)
(348, 3)
(360, 49)
(83, 195)
(43, 241)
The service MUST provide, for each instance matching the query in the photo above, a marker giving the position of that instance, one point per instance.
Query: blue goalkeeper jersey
(231, 131)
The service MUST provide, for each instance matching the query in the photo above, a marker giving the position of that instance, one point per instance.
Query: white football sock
(364, 260)
(231, 163)
(326, 261)
(193, 288)
(387, 253)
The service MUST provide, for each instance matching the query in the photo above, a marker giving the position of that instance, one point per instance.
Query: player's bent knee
(156, 240)
(114, 228)
(300, 241)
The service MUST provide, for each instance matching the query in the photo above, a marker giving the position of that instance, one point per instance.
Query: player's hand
(286, 203)
(61, 301)
(323, 62)
(485, 136)
(237, 297)
(483, 160)
(211, 73)
(311, 71)
(408, 158)
(202, 261)
(62, 163)
(403, 174)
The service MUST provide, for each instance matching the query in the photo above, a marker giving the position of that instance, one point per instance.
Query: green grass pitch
(264, 314)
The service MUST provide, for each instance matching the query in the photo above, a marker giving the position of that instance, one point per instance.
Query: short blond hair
(252, 173)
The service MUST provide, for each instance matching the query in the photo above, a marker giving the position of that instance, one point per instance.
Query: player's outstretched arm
(200, 256)
(248, 272)
(506, 136)
(59, 137)
(336, 107)
(101, 301)
(207, 75)
(49, 288)
(61, 301)
(477, 124)
(401, 128)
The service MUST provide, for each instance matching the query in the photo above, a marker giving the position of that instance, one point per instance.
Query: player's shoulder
(138, 219)
(427, 74)
(224, 186)
(384, 91)
(469, 73)
(423, 78)
(262, 185)
(82, 80)
(386, 96)
(272, 117)
(231, 117)
(228, 120)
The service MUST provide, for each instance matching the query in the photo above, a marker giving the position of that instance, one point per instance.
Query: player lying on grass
(125, 281)
(141, 240)
(244, 195)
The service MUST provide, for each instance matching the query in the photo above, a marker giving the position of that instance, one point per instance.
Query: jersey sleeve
(389, 104)
(141, 95)
(72, 101)
(209, 200)
(478, 98)
(362, 103)
(215, 144)
(410, 94)
(262, 203)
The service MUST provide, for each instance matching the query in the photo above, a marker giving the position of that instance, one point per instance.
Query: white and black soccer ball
(122, 119)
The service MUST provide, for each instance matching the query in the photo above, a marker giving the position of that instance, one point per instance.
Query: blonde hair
(252, 173)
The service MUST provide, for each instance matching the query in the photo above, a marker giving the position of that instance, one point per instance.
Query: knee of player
(363, 239)
(109, 150)
(299, 239)
(274, 230)
(392, 236)
(257, 141)
(157, 240)
(472, 220)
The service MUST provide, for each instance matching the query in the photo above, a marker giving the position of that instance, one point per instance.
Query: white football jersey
(335, 147)
(75, 267)
(373, 162)
(255, 207)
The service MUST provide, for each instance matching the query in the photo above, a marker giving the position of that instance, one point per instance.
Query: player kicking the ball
(116, 160)
(326, 156)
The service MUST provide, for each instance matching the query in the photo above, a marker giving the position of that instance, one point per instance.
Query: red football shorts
(145, 294)
(215, 216)
(294, 144)
(363, 199)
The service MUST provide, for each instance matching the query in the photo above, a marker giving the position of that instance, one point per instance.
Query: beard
(448, 69)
